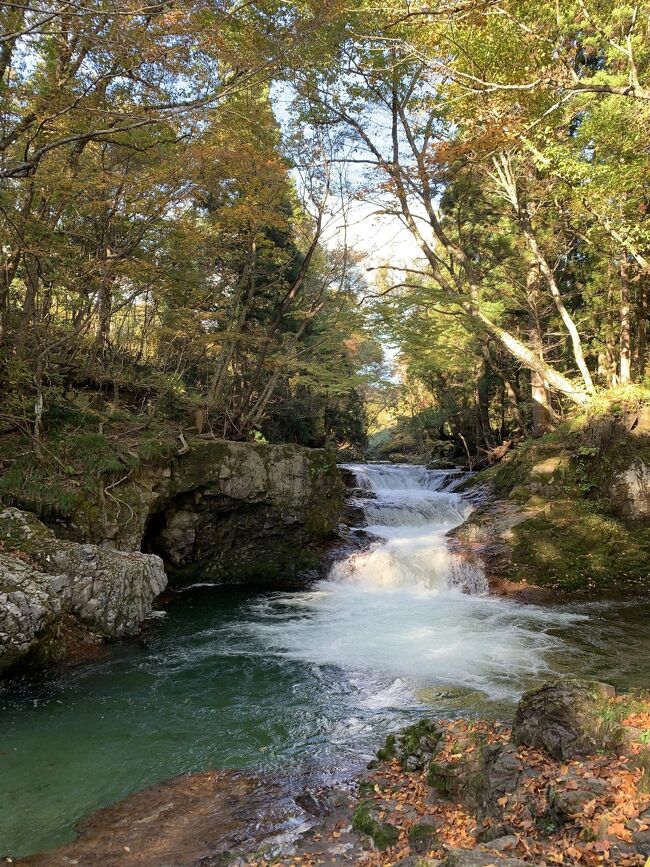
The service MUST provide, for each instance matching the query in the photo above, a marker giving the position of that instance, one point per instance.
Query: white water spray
(409, 510)
(406, 610)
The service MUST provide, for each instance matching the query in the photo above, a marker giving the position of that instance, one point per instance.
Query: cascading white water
(409, 510)
(405, 613)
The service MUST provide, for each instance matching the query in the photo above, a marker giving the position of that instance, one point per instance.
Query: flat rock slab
(188, 820)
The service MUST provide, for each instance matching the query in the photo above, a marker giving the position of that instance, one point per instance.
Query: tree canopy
(176, 180)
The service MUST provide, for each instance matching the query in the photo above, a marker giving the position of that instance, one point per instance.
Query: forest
(177, 181)
(325, 433)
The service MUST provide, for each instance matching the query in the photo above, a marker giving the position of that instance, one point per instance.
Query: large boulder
(222, 511)
(566, 718)
(203, 818)
(31, 602)
(45, 580)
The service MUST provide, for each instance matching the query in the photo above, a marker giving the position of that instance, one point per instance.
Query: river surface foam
(302, 685)
(406, 606)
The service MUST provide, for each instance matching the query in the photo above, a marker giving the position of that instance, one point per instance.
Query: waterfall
(404, 613)
(408, 511)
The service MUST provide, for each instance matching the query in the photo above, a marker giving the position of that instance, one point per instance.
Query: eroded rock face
(44, 580)
(245, 512)
(225, 511)
(30, 603)
(565, 719)
(631, 492)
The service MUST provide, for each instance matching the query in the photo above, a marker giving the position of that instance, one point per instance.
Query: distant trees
(155, 245)
(508, 139)
(162, 239)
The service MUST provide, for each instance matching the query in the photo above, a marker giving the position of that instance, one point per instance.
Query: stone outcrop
(566, 719)
(251, 515)
(49, 586)
(630, 491)
(570, 511)
(193, 820)
(225, 511)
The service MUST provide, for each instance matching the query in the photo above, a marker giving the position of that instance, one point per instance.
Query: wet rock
(195, 819)
(323, 802)
(565, 718)
(240, 512)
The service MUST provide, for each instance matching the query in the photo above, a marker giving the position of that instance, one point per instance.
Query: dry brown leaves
(598, 834)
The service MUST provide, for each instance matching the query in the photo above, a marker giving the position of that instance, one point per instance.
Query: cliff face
(226, 511)
(240, 512)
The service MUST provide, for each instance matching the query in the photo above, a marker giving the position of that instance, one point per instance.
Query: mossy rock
(569, 547)
(413, 746)
(568, 719)
(382, 834)
(436, 778)
(387, 752)
(422, 837)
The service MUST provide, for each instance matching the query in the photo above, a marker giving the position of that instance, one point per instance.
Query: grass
(79, 449)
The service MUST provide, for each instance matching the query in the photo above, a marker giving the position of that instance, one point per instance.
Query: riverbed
(303, 685)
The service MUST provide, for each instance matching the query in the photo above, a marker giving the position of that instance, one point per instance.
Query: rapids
(406, 607)
(301, 685)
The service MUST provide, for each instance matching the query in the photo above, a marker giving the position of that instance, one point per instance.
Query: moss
(410, 737)
(366, 788)
(643, 762)
(422, 836)
(436, 779)
(382, 834)
(387, 752)
(581, 537)
(570, 547)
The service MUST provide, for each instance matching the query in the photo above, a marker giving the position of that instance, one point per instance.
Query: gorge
(301, 685)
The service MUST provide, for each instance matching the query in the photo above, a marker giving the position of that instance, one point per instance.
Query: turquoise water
(204, 688)
(301, 685)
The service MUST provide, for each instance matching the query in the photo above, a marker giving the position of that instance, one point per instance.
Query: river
(303, 684)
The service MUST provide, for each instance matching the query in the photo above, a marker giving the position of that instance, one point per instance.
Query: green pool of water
(211, 685)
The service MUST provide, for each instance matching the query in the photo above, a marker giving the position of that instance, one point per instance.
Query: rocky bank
(569, 511)
(567, 784)
(222, 511)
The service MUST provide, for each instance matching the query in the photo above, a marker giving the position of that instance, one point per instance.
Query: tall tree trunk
(641, 326)
(529, 359)
(565, 316)
(543, 417)
(625, 367)
(7, 274)
(104, 315)
(484, 428)
(32, 280)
